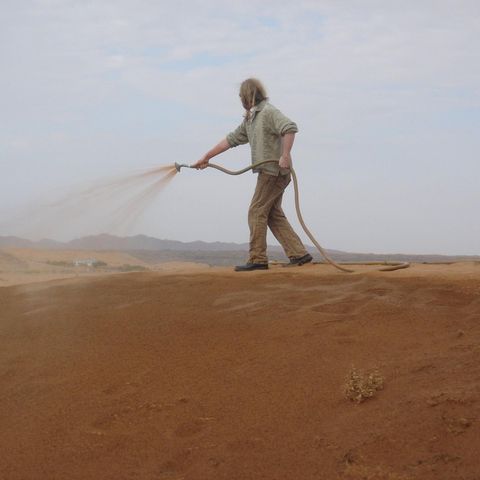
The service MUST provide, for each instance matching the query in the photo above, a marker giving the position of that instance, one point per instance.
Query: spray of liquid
(126, 215)
(116, 203)
(110, 187)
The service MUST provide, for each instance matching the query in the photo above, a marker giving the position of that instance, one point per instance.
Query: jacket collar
(259, 106)
(254, 110)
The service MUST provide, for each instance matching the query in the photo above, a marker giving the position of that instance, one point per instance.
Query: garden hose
(388, 266)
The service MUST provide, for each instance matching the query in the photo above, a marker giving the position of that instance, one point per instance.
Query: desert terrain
(19, 266)
(195, 372)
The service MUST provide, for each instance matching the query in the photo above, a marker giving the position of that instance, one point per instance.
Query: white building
(85, 262)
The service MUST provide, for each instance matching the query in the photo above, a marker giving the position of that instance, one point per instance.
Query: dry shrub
(364, 472)
(360, 386)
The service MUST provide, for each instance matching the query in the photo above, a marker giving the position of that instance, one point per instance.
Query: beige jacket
(263, 130)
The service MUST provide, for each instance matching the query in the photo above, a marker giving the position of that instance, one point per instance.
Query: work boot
(307, 258)
(248, 267)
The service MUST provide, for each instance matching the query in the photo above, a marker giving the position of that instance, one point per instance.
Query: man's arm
(287, 144)
(233, 139)
(221, 147)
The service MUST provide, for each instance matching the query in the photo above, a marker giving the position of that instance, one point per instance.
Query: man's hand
(285, 161)
(222, 146)
(202, 163)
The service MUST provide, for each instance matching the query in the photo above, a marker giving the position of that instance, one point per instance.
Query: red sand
(216, 375)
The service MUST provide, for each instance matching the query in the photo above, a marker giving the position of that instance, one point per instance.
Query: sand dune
(38, 256)
(208, 374)
(20, 266)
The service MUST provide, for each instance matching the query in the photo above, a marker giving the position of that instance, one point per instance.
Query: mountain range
(111, 242)
(153, 249)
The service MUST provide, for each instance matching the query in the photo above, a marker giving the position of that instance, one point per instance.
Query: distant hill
(152, 250)
(143, 242)
(105, 241)
(17, 242)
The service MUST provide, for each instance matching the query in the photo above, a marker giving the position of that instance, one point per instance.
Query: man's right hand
(202, 163)
(222, 146)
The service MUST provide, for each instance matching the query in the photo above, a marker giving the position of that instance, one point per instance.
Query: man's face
(244, 103)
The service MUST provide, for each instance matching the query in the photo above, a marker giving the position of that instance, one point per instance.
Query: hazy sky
(386, 96)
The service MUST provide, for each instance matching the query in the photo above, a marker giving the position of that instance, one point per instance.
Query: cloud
(371, 86)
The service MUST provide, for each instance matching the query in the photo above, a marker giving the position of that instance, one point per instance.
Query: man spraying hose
(270, 135)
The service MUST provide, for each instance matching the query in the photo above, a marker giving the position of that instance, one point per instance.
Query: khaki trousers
(266, 211)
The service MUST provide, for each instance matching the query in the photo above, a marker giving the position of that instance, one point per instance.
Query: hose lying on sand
(389, 266)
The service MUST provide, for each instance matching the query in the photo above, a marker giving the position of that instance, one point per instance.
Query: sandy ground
(210, 374)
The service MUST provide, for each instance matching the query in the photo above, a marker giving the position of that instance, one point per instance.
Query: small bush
(132, 268)
(99, 263)
(362, 385)
(59, 263)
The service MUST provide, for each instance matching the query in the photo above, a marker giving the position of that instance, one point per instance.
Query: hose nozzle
(178, 166)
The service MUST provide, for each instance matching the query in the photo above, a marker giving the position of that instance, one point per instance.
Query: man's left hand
(285, 161)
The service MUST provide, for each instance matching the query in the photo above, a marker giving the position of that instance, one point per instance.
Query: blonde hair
(252, 92)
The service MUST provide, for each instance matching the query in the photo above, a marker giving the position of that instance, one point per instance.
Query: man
(270, 135)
